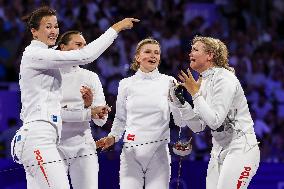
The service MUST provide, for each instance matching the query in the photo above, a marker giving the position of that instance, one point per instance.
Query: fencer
(77, 143)
(35, 143)
(143, 115)
(220, 103)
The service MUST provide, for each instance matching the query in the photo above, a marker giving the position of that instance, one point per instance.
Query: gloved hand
(182, 149)
(176, 94)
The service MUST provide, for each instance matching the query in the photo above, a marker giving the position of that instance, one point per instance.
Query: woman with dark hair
(82, 102)
(35, 144)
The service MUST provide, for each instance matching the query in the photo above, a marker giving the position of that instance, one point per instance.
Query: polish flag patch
(130, 137)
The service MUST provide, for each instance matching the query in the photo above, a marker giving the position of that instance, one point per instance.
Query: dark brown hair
(66, 37)
(33, 19)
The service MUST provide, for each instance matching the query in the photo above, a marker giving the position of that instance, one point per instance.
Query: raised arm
(52, 59)
(223, 91)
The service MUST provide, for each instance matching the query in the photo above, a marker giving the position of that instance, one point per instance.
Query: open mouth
(52, 37)
(152, 61)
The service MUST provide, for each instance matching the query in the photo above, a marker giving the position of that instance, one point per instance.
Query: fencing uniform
(222, 106)
(143, 113)
(35, 144)
(77, 143)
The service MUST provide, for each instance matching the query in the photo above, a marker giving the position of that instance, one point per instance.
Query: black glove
(179, 94)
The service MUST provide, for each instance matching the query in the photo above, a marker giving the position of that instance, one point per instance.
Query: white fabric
(221, 93)
(73, 79)
(143, 112)
(150, 162)
(81, 162)
(40, 84)
(76, 140)
(221, 101)
(38, 141)
(234, 166)
(40, 78)
(143, 108)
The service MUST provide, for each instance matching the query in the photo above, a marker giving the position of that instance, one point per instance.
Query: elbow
(213, 121)
(214, 124)
(195, 125)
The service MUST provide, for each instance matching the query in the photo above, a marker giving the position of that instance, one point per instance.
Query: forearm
(117, 129)
(185, 116)
(75, 115)
(52, 59)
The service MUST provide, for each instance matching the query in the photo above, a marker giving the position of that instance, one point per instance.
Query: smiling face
(148, 57)
(76, 41)
(199, 59)
(48, 30)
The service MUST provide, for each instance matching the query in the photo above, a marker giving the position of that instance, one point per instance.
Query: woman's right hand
(100, 112)
(105, 142)
(126, 23)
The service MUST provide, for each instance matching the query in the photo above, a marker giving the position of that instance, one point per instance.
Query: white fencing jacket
(75, 118)
(143, 108)
(40, 78)
(220, 99)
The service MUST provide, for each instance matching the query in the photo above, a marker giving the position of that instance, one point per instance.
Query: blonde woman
(143, 114)
(220, 103)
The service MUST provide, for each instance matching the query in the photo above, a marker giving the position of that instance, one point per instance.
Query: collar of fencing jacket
(208, 72)
(150, 75)
(38, 44)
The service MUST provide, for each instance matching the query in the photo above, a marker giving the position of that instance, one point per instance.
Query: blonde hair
(217, 48)
(135, 65)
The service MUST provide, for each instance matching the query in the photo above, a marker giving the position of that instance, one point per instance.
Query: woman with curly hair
(220, 103)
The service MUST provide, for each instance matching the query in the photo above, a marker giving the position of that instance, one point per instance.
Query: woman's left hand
(189, 82)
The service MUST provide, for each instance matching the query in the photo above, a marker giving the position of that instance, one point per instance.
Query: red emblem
(130, 137)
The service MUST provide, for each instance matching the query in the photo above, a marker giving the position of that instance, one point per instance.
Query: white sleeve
(75, 115)
(99, 97)
(176, 114)
(185, 116)
(214, 115)
(53, 59)
(119, 123)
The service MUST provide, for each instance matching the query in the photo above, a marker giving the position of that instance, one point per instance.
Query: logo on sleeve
(54, 118)
(19, 138)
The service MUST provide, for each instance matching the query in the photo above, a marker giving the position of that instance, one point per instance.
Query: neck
(206, 68)
(145, 70)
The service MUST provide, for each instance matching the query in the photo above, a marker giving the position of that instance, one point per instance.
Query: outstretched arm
(53, 59)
